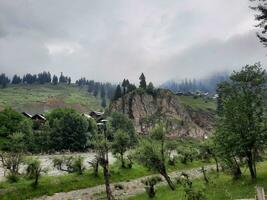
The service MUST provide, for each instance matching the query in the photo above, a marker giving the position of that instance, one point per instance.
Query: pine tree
(104, 103)
(55, 80)
(118, 93)
(142, 79)
(102, 91)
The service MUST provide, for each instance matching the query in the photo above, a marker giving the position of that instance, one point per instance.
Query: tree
(16, 79)
(4, 80)
(124, 85)
(63, 79)
(12, 159)
(121, 143)
(102, 145)
(241, 129)
(44, 77)
(118, 93)
(150, 88)
(102, 91)
(55, 80)
(142, 79)
(119, 121)
(150, 183)
(152, 152)
(261, 17)
(69, 130)
(70, 164)
(34, 170)
(10, 121)
(29, 78)
(104, 103)
(208, 150)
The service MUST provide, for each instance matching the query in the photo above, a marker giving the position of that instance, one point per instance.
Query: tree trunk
(251, 166)
(36, 180)
(204, 174)
(106, 176)
(217, 164)
(168, 179)
(122, 161)
(96, 168)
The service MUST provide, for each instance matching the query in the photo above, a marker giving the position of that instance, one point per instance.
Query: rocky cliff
(147, 109)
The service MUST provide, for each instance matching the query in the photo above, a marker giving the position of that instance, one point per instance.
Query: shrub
(34, 170)
(150, 183)
(190, 192)
(69, 164)
(11, 162)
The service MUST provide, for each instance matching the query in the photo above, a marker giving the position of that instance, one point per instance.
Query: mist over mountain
(207, 84)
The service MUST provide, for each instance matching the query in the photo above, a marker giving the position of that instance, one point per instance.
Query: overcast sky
(108, 40)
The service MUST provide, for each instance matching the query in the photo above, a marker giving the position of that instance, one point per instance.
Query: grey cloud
(216, 55)
(108, 40)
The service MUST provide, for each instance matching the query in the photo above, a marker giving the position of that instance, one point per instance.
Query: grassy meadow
(221, 187)
(199, 103)
(38, 98)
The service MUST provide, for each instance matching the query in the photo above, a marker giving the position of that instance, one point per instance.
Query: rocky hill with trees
(146, 106)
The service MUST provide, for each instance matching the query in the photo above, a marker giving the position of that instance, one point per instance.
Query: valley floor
(130, 188)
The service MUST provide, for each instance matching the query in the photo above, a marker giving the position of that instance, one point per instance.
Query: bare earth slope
(182, 119)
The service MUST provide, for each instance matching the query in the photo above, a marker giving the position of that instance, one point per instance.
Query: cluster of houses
(197, 93)
(36, 117)
(97, 116)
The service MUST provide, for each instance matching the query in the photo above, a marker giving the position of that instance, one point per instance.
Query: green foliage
(150, 88)
(118, 93)
(152, 152)
(201, 103)
(150, 183)
(55, 80)
(241, 129)
(31, 98)
(69, 164)
(142, 79)
(11, 162)
(121, 143)
(10, 121)
(16, 142)
(34, 169)
(119, 121)
(186, 154)
(69, 130)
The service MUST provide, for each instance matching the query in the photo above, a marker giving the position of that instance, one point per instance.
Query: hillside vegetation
(41, 98)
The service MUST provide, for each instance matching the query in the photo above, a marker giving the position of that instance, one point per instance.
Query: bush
(150, 183)
(69, 164)
(11, 162)
(190, 192)
(12, 178)
(34, 170)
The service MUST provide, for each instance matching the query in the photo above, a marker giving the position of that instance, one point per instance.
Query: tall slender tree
(241, 130)
(142, 79)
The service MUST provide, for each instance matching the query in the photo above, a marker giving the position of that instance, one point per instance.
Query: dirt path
(130, 188)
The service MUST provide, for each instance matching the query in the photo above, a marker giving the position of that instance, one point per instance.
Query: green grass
(40, 98)
(221, 187)
(49, 185)
(199, 103)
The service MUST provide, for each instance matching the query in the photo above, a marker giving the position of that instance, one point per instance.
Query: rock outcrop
(147, 109)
